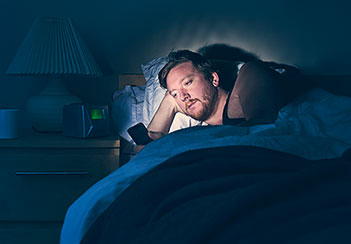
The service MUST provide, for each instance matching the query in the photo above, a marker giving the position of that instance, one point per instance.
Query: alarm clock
(85, 121)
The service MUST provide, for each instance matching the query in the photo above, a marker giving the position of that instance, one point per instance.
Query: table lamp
(52, 48)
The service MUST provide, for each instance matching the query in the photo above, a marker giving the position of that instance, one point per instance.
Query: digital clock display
(97, 113)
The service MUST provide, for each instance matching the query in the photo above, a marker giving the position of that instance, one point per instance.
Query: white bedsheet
(315, 126)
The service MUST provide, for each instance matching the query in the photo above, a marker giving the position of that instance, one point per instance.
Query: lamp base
(45, 110)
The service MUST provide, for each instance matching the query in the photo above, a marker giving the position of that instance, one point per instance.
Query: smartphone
(139, 134)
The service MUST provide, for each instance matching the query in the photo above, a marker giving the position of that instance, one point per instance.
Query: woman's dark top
(228, 121)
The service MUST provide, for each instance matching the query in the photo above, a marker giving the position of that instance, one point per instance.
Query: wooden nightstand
(41, 175)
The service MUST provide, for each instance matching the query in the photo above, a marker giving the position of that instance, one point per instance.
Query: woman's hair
(226, 52)
(224, 60)
(200, 63)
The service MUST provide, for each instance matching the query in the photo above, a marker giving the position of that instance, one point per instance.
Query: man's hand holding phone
(140, 134)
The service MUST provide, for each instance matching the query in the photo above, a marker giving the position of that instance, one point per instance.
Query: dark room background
(122, 35)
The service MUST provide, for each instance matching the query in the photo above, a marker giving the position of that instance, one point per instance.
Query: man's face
(193, 93)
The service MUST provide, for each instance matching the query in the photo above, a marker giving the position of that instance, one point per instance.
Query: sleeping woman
(195, 88)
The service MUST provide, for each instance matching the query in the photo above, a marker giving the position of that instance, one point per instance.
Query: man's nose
(184, 96)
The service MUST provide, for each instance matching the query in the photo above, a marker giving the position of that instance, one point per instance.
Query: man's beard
(208, 104)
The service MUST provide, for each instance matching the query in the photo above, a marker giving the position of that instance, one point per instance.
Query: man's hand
(138, 148)
(172, 103)
(163, 118)
(153, 135)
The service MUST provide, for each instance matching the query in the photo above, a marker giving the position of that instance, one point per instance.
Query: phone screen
(139, 134)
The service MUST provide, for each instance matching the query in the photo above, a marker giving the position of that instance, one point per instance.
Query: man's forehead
(183, 67)
(180, 72)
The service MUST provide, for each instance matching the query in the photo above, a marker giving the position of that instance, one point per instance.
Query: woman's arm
(261, 93)
(162, 120)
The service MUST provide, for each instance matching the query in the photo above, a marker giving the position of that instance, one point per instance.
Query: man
(193, 88)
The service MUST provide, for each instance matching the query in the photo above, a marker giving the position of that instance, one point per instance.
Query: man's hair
(200, 63)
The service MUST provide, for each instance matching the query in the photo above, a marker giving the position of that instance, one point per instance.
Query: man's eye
(174, 94)
(188, 82)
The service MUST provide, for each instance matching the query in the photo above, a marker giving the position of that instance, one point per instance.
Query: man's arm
(162, 120)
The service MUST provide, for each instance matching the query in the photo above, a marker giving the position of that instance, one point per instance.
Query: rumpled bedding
(314, 126)
(232, 194)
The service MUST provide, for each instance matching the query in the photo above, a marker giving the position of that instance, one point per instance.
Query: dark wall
(313, 35)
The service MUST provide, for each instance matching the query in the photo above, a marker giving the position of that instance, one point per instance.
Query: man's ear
(215, 79)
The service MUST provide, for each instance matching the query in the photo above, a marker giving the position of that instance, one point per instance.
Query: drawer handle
(52, 172)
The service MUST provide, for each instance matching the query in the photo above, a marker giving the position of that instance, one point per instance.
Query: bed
(285, 182)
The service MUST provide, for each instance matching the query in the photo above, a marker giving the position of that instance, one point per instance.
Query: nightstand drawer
(39, 185)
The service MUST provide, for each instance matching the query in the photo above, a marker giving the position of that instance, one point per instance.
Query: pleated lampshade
(53, 48)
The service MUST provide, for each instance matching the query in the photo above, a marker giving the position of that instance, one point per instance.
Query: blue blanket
(232, 194)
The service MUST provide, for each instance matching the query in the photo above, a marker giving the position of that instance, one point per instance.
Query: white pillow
(154, 94)
(182, 121)
(127, 109)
